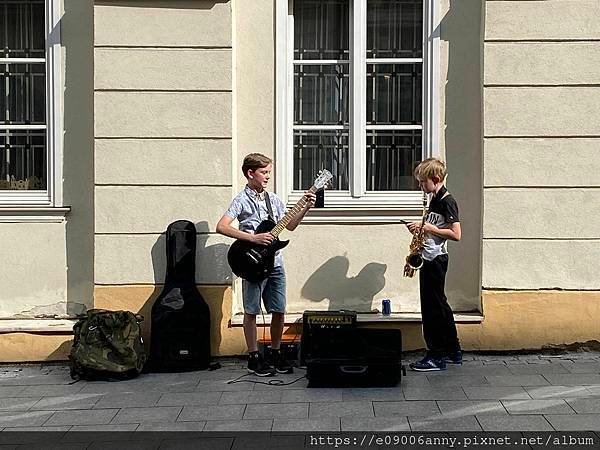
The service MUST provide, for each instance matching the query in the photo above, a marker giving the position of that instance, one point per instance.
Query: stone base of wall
(513, 320)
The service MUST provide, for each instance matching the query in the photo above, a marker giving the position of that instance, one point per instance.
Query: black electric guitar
(254, 262)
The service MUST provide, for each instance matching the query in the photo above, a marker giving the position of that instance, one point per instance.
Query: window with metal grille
(358, 97)
(23, 158)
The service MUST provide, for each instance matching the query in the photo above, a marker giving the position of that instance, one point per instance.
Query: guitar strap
(269, 207)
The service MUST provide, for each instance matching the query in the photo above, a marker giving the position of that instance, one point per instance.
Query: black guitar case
(180, 334)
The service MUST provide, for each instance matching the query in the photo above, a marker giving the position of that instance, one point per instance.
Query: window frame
(52, 195)
(358, 204)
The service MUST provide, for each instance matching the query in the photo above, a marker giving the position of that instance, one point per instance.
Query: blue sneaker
(428, 364)
(453, 358)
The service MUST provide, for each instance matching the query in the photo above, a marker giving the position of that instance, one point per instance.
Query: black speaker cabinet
(349, 355)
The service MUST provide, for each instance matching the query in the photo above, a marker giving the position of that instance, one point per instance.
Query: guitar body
(254, 262)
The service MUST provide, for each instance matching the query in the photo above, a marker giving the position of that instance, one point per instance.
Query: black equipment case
(339, 353)
(180, 335)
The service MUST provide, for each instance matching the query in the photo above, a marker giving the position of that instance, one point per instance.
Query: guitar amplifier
(339, 353)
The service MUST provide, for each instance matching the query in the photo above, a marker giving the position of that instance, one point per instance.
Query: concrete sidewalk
(491, 393)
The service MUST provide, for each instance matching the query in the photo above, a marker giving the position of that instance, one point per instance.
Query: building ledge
(48, 214)
(37, 325)
(412, 317)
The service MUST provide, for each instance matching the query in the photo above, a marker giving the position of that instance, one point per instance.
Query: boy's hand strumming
(262, 238)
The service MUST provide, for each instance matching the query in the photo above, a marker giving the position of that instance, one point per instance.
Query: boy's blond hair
(255, 161)
(429, 168)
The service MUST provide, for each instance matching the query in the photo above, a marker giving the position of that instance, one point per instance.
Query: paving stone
(301, 383)
(419, 380)
(341, 409)
(57, 429)
(440, 423)
(56, 390)
(222, 386)
(458, 380)
(311, 395)
(517, 380)
(495, 392)
(250, 397)
(457, 408)
(537, 369)
(574, 422)
(127, 400)
(550, 406)
(435, 393)
(151, 414)
(514, 423)
(239, 425)
(106, 428)
(468, 369)
(17, 403)
(10, 391)
(585, 405)
(75, 401)
(321, 424)
(574, 379)
(220, 412)
(407, 408)
(393, 394)
(277, 411)
(146, 444)
(375, 424)
(581, 367)
(190, 398)
(558, 391)
(82, 417)
(172, 426)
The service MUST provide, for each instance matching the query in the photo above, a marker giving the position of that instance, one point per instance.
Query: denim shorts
(271, 290)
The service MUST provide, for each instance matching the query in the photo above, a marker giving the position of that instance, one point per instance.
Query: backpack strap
(269, 207)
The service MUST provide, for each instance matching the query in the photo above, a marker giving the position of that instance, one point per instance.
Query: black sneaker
(258, 366)
(428, 364)
(454, 358)
(281, 364)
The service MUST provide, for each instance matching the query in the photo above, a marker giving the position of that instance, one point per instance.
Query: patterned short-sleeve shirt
(250, 209)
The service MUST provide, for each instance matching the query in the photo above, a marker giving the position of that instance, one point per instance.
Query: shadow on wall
(331, 281)
(462, 30)
(204, 255)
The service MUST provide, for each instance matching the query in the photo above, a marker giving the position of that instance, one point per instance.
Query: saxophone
(414, 260)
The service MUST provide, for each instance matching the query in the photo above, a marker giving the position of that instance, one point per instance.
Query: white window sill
(36, 325)
(36, 214)
(290, 319)
(374, 214)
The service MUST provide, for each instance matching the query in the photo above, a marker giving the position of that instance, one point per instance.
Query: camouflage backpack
(107, 345)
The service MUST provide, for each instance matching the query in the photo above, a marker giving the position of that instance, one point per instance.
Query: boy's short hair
(431, 167)
(255, 161)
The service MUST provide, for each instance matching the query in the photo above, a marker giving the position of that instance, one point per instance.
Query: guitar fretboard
(285, 220)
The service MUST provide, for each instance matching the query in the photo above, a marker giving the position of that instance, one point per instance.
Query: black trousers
(439, 329)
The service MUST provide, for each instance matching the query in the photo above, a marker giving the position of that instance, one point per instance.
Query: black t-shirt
(443, 211)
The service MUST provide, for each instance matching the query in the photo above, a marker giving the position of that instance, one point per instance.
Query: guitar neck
(285, 220)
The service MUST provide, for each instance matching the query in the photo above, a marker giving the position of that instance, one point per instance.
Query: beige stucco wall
(343, 251)
(163, 113)
(541, 197)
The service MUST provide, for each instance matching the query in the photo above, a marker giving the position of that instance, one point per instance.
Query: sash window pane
(394, 29)
(22, 94)
(321, 94)
(320, 149)
(394, 94)
(23, 160)
(321, 29)
(391, 159)
(22, 25)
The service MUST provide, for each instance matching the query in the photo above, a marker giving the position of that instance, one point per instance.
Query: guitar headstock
(323, 179)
